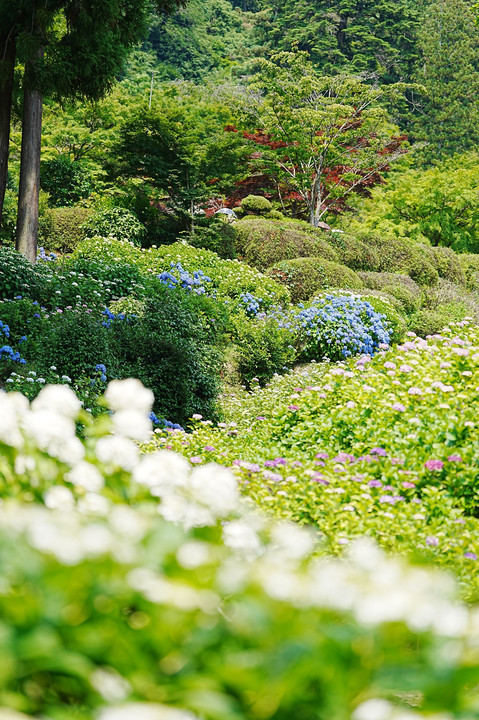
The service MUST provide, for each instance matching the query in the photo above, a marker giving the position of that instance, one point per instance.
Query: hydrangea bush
(385, 446)
(140, 586)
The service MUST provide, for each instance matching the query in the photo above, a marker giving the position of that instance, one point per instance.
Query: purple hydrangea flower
(470, 556)
(434, 465)
(432, 541)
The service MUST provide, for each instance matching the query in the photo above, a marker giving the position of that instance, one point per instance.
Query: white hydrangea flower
(59, 498)
(87, 476)
(13, 408)
(55, 434)
(240, 536)
(216, 487)
(117, 451)
(110, 684)
(145, 711)
(93, 504)
(129, 394)
(58, 398)
(162, 470)
(132, 424)
(177, 509)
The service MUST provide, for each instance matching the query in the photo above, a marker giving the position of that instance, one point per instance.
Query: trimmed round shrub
(116, 222)
(427, 322)
(65, 229)
(274, 215)
(470, 267)
(396, 255)
(448, 265)
(408, 300)
(262, 242)
(306, 276)
(256, 205)
(401, 287)
(353, 252)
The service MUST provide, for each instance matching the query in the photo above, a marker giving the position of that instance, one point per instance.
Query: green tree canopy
(321, 137)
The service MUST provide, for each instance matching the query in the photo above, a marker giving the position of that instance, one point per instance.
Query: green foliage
(116, 222)
(357, 254)
(470, 266)
(372, 36)
(64, 229)
(261, 348)
(174, 349)
(262, 242)
(311, 130)
(17, 275)
(398, 255)
(256, 205)
(216, 235)
(230, 277)
(448, 60)
(305, 276)
(67, 181)
(437, 206)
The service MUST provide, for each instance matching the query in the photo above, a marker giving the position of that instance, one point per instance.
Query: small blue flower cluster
(4, 329)
(46, 258)
(252, 304)
(164, 423)
(341, 326)
(101, 369)
(8, 353)
(111, 317)
(179, 277)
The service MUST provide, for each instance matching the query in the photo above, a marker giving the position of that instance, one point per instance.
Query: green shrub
(401, 287)
(448, 265)
(397, 255)
(214, 234)
(115, 222)
(175, 350)
(306, 276)
(65, 230)
(67, 181)
(408, 300)
(263, 243)
(274, 215)
(17, 276)
(353, 252)
(470, 267)
(262, 348)
(256, 205)
(427, 322)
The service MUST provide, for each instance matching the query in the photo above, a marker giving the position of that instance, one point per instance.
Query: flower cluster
(177, 276)
(338, 326)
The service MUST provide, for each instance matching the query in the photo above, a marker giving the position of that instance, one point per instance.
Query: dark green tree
(449, 70)
(180, 149)
(69, 48)
(373, 36)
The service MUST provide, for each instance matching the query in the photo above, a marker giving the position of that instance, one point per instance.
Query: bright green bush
(116, 222)
(256, 205)
(397, 255)
(262, 348)
(262, 243)
(401, 287)
(65, 229)
(353, 252)
(449, 265)
(306, 276)
(229, 277)
(470, 266)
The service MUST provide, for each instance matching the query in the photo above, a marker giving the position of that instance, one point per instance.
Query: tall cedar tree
(449, 70)
(372, 36)
(69, 49)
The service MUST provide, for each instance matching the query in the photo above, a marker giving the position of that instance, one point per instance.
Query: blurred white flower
(111, 686)
(117, 451)
(132, 424)
(129, 394)
(162, 470)
(58, 398)
(59, 498)
(87, 476)
(145, 711)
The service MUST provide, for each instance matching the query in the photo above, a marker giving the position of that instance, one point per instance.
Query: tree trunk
(7, 68)
(29, 187)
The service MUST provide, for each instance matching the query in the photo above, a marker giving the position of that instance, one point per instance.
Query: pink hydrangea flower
(434, 465)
